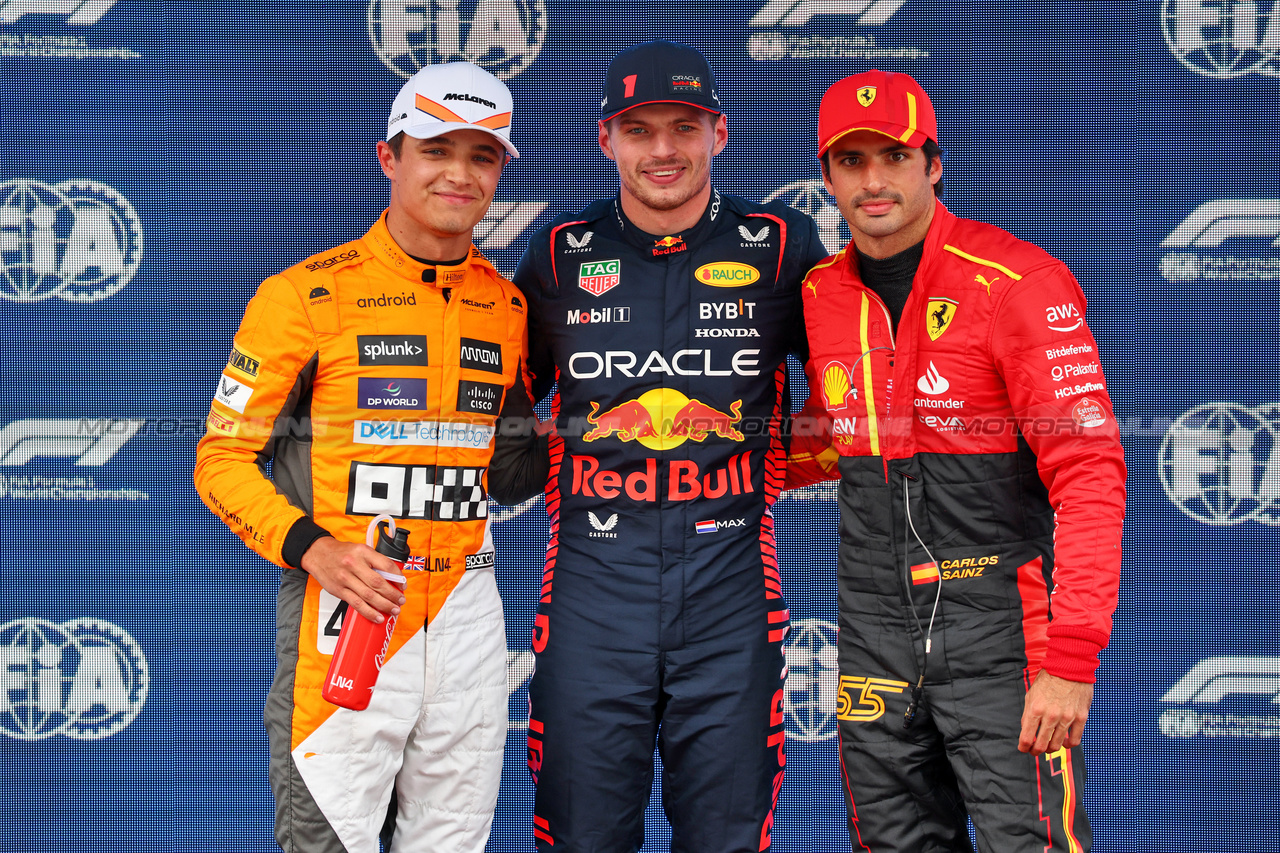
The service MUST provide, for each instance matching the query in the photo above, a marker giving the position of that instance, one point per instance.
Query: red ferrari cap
(888, 103)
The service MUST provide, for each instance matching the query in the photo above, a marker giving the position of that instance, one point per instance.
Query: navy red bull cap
(658, 72)
(888, 103)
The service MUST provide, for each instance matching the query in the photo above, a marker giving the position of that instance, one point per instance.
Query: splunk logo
(85, 679)
(1220, 464)
(1225, 697)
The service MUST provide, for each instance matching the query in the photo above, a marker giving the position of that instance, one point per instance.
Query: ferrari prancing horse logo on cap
(867, 95)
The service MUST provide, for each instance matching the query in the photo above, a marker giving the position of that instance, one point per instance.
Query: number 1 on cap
(630, 83)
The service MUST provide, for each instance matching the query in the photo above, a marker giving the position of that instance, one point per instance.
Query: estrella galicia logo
(481, 355)
(85, 679)
(391, 393)
(398, 350)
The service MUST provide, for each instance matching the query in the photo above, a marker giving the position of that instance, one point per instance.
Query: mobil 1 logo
(479, 398)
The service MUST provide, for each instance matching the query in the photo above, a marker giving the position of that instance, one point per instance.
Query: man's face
(444, 185)
(882, 190)
(664, 152)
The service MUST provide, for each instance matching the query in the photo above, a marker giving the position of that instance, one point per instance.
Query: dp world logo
(85, 679)
(812, 679)
(501, 36)
(811, 197)
(1220, 463)
(1224, 39)
(80, 241)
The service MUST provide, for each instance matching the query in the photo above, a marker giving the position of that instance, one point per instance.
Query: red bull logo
(668, 245)
(685, 479)
(662, 419)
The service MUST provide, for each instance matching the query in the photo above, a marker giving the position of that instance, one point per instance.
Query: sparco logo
(457, 96)
(1225, 697)
(325, 263)
(85, 679)
(502, 36)
(81, 13)
(1220, 463)
(1223, 39)
(1250, 228)
(92, 441)
(80, 241)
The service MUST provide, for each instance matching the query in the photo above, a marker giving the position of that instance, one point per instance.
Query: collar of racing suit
(643, 239)
(446, 275)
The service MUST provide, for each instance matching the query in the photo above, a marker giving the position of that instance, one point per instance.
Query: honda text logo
(841, 23)
(1223, 39)
(85, 679)
(501, 36)
(1233, 239)
(80, 241)
(1225, 697)
(1220, 463)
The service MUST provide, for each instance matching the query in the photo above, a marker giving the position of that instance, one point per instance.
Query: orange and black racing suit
(372, 383)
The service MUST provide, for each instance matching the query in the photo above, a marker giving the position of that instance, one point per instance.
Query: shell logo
(727, 274)
(837, 386)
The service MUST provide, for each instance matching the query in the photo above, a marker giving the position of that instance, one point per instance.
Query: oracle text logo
(1220, 463)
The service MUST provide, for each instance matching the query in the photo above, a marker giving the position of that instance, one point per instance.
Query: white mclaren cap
(453, 96)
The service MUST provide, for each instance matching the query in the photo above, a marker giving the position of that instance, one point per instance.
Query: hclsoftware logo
(85, 679)
(501, 36)
(1224, 39)
(1225, 697)
(1220, 464)
(844, 37)
(1233, 239)
(78, 240)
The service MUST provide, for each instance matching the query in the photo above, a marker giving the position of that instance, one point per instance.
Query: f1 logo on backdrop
(1250, 230)
(1220, 464)
(1224, 39)
(797, 13)
(92, 441)
(1225, 696)
(502, 36)
(777, 22)
(79, 12)
(85, 679)
(78, 240)
(504, 222)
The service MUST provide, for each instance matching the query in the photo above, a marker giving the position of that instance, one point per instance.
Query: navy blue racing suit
(661, 614)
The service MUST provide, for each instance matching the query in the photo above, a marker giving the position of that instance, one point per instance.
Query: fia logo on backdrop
(502, 36)
(1220, 464)
(1224, 39)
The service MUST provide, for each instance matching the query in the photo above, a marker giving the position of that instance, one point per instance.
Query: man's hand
(350, 571)
(1054, 714)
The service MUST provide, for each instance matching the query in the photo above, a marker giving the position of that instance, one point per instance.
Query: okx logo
(501, 36)
(1224, 39)
(1235, 239)
(1220, 464)
(1225, 696)
(80, 241)
(85, 679)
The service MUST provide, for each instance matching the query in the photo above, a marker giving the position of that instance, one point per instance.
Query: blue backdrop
(159, 159)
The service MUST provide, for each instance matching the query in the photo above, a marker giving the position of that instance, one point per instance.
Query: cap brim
(614, 115)
(440, 128)
(910, 137)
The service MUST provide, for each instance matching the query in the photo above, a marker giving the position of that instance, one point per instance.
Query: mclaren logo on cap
(867, 95)
(440, 111)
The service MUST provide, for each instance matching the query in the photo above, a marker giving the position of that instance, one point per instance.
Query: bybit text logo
(80, 241)
(1250, 230)
(1224, 39)
(501, 36)
(1220, 464)
(777, 21)
(85, 679)
(1225, 697)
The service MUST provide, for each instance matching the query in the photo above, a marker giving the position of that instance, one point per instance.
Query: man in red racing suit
(982, 487)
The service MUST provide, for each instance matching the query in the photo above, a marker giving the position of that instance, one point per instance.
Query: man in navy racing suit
(665, 315)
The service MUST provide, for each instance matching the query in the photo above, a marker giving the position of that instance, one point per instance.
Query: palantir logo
(812, 679)
(85, 679)
(78, 12)
(1224, 39)
(79, 240)
(1225, 696)
(502, 36)
(811, 197)
(1225, 240)
(1220, 464)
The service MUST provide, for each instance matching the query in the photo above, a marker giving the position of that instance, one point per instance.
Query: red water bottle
(362, 645)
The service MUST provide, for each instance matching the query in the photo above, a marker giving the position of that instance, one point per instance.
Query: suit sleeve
(275, 350)
(1049, 361)
(529, 279)
(812, 456)
(521, 460)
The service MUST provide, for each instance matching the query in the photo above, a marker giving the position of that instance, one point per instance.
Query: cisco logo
(84, 679)
(1220, 463)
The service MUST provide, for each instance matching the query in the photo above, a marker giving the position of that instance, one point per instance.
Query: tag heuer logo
(597, 277)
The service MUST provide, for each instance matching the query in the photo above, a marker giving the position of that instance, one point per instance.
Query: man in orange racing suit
(980, 473)
(371, 376)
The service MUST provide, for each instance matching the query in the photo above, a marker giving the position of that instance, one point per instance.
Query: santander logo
(933, 382)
